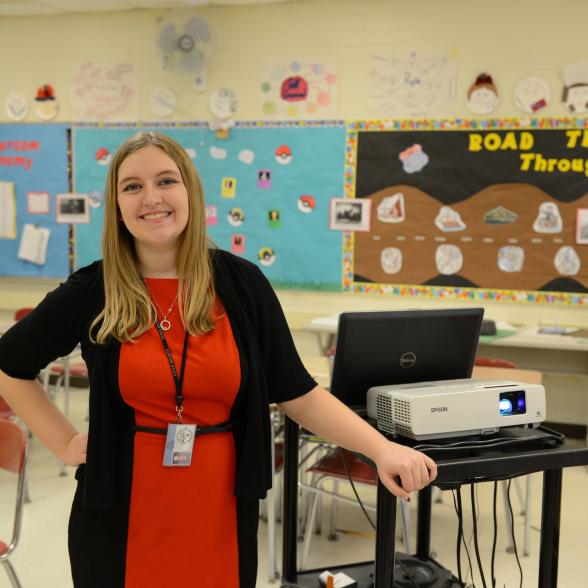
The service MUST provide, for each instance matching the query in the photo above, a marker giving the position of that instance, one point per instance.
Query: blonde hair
(128, 310)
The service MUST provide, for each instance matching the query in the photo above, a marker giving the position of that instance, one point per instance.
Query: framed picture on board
(350, 214)
(72, 209)
(38, 202)
(582, 226)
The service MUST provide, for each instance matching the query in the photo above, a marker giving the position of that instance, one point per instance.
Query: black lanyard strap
(219, 428)
(179, 382)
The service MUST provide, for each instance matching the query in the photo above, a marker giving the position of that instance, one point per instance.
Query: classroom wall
(510, 40)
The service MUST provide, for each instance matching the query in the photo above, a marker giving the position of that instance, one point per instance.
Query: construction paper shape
(236, 217)
(582, 226)
(246, 156)
(95, 199)
(414, 159)
(391, 260)
(500, 216)
(283, 154)
(211, 214)
(532, 94)
(511, 258)
(306, 203)
(238, 244)
(449, 220)
(228, 187)
(103, 156)
(548, 219)
(217, 153)
(264, 179)
(46, 105)
(482, 97)
(391, 209)
(266, 256)
(38, 202)
(273, 219)
(191, 152)
(448, 259)
(16, 107)
(567, 261)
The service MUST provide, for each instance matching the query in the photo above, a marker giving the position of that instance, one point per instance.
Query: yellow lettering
(573, 137)
(564, 165)
(509, 142)
(585, 139)
(578, 165)
(492, 141)
(526, 159)
(551, 163)
(475, 142)
(526, 141)
(540, 163)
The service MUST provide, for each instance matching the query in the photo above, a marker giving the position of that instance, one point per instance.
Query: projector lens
(512, 402)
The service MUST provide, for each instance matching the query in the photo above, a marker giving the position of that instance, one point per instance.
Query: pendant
(165, 325)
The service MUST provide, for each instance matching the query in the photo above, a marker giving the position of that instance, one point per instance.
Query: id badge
(179, 443)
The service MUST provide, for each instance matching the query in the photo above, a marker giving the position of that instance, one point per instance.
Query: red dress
(182, 521)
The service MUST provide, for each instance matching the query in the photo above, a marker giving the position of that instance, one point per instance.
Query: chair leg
(11, 574)
(308, 532)
(517, 485)
(333, 518)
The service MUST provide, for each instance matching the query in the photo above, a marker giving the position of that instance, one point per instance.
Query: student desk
(485, 465)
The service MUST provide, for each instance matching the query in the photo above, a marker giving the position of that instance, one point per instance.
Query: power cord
(348, 474)
(459, 511)
(495, 535)
(475, 531)
(514, 541)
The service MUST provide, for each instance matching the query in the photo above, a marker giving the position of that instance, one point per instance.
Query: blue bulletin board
(278, 220)
(34, 158)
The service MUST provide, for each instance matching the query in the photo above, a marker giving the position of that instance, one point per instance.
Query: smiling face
(152, 199)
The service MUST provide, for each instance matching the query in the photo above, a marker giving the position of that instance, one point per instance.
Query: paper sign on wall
(7, 211)
(33, 244)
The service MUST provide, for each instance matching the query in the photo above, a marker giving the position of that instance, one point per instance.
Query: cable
(459, 534)
(514, 541)
(495, 527)
(410, 575)
(475, 527)
(459, 510)
(346, 468)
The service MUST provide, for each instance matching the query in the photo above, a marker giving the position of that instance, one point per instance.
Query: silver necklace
(164, 323)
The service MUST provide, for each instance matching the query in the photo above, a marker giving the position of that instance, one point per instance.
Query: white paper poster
(7, 211)
(299, 89)
(33, 244)
(105, 92)
(416, 84)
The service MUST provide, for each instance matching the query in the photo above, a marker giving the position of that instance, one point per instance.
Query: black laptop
(401, 347)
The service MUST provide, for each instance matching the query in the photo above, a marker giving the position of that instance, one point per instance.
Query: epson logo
(439, 409)
(408, 359)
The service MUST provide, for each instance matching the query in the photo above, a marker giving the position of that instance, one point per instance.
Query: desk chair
(13, 458)
(493, 371)
(332, 467)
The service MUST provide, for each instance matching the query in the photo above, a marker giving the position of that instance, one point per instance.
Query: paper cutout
(266, 256)
(105, 92)
(575, 92)
(500, 216)
(299, 89)
(482, 95)
(38, 202)
(46, 105)
(16, 107)
(191, 152)
(532, 94)
(222, 103)
(283, 154)
(391, 260)
(548, 219)
(566, 261)
(449, 220)
(448, 259)
(236, 217)
(7, 211)
(511, 258)
(103, 156)
(414, 159)
(163, 101)
(350, 214)
(273, 219)
(412, 85)
(582, 226)
(211, 214)
(264, 179)
(217, 153)
(238, 244)
(391, 209)
(306, 203)
(72, 209)
(246, 156)
(228, 187)
(95, 199)
(33, 244)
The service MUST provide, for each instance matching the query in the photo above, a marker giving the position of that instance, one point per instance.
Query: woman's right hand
(75, 452)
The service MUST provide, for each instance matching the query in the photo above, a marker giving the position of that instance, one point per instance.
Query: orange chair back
(12, 446)
(494, 362)
(21, 313)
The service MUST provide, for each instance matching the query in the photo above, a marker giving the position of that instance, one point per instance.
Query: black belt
(220, 428)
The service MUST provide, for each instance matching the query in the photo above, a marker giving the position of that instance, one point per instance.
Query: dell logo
(408, 359)
(439, 409)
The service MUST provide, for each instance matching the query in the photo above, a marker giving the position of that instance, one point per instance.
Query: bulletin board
(486, 209)
(33, 169)
(267, 188)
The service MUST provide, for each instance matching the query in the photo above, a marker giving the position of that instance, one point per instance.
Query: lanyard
(179, 382)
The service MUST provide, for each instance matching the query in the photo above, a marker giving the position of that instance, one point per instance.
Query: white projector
(453, 408)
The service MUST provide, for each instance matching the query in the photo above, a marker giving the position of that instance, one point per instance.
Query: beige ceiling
(40, 7)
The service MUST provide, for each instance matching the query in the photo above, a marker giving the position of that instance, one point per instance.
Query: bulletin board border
(353, 128)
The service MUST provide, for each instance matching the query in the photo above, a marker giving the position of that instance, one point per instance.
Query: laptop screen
(402, 346)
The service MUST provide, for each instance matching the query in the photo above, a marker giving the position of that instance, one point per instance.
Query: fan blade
(192, 61)
(168, 38)
(198, 29)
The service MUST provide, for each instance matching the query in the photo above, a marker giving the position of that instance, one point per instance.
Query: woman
(175, 333)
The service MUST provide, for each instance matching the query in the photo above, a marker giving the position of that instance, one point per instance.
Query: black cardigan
(271, 370)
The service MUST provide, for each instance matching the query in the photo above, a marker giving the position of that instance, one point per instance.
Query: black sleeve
(286, 376)
(52, 329)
